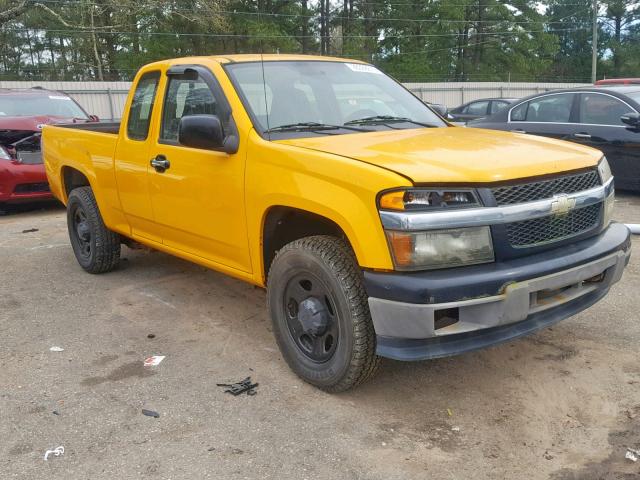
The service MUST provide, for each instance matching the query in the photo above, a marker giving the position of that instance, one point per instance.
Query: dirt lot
(562, 404)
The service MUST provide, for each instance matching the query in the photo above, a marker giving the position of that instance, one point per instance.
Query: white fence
(453, 94)
(106, 99)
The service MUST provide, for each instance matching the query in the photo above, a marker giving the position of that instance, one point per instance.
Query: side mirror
(201, 131)
(441, 110)
(632, 119)
(94, 118)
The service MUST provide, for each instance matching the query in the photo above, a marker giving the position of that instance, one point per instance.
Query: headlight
(440, 248)
(427, 199)
(604, 170)
(605, 175)
(4, 155)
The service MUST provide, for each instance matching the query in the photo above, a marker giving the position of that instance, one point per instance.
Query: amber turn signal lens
(392, 201)
(402, 247)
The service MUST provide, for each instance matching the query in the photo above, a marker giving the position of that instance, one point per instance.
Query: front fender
(337, 188)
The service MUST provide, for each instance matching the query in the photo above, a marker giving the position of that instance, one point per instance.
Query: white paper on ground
(153, 361)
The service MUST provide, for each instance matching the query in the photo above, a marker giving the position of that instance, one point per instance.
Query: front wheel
(321, 320)
(97, 248)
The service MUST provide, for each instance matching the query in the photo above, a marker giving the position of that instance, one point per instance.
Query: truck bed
(88, 148)
(102, 127)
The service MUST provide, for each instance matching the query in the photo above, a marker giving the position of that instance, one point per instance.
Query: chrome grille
(528, 192)
(549, 229)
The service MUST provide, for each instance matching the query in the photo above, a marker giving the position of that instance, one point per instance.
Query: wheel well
(72, 179)
(285, 224)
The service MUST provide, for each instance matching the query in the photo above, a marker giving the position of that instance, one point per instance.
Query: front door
(600, 127)
(197, 194)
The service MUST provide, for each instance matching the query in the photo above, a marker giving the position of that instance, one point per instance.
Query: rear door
(132, 157)
(599, 126)
(198, 199)
(550, 115)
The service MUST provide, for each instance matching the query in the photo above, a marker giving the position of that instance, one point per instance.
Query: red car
(619, 81)
(22, 115)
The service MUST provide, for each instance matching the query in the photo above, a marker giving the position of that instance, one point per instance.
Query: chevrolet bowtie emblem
(562, 204)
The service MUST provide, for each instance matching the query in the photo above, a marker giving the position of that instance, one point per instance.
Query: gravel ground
(561, 404)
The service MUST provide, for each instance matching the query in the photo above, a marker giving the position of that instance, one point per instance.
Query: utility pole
(594, 53)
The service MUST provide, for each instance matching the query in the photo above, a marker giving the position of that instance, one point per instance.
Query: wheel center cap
(313, 316)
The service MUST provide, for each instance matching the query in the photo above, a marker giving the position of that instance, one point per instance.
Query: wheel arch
(72, 178)
(284, 224)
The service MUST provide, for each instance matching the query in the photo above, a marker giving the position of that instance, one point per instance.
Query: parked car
(23, 113)
(478, 109)
(619, 81)
(377, 229)
(604, 117)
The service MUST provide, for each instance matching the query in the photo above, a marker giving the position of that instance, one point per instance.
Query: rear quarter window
(142, 106)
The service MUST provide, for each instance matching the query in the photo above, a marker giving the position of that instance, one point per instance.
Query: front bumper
(23, 182)
(484, 305)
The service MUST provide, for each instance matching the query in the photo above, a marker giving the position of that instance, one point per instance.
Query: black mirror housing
(632, 119)
(201, 131)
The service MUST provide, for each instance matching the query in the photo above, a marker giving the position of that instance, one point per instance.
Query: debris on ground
(55, 412)
(240, 387)
(547, 455)
(455, 429)
(150, 413)
(56, 349)
(449, 412)
(151, 335)
(30, 230)
(632, 454)
(55, 452)
(153, 361)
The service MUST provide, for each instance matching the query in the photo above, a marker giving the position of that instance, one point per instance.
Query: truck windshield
(29, 105)
(326, 98)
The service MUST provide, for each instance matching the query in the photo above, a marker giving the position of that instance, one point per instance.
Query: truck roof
(256, 57)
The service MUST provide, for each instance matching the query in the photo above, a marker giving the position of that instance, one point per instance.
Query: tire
(97, 248)
(320, 314)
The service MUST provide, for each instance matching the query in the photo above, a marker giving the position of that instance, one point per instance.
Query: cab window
(142, 106)
(550, 108)
(599, 109)
(498, 105)
(186, 95)
(477, 108)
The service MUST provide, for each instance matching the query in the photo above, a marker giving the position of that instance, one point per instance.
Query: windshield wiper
(381, 119)
(310, 126)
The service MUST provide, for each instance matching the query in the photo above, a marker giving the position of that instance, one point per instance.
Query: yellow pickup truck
(378, 229)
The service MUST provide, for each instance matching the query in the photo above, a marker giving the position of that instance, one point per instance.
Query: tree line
(427, 40)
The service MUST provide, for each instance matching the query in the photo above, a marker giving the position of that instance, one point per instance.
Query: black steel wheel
(310, 312)
(320, 313)
(96, 248)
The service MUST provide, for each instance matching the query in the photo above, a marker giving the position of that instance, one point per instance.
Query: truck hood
(456, 154)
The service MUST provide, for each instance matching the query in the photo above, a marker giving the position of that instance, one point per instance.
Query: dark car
(479, 109)
(602, 117)
(23, 113)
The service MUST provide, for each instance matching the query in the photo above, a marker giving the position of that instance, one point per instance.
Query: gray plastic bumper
(406, 331)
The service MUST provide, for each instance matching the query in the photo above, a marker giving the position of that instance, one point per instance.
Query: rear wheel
(97, 248)
(320, 313)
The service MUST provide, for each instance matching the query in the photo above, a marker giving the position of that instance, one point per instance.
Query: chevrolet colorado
(378, 229)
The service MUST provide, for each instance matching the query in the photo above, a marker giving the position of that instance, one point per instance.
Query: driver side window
(186, 95)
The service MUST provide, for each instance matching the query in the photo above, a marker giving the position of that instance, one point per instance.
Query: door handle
(518, 130)
(160, 163)
(584, 136)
